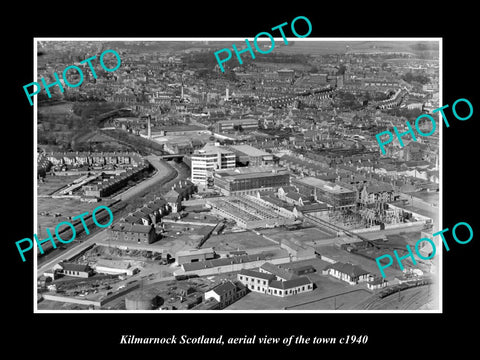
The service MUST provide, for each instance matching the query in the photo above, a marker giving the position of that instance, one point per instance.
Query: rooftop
(257, 274)
(74, 267)
(249, 150)
(347, 268)
(223, 288)
(277, 271)
(194, 252)
(289, 284)
(222, 262)
(324, 185)
(211, 149)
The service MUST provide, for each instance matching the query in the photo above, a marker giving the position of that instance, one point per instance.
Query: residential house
(267, 283)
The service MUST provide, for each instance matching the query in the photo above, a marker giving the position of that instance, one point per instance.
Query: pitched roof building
(353, 274)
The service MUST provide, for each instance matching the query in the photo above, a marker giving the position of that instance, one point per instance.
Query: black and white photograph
(215, 179)
(253, 186)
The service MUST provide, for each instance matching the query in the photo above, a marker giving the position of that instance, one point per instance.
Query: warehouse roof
(249, 150)
(222, 262)
(290, 284)
(257, 274)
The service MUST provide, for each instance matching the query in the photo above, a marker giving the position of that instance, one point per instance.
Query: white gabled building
(352, 274)
(266, 283)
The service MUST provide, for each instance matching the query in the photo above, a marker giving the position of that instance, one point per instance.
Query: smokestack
(149, 131)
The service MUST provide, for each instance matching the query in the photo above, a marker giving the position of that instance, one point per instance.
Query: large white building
(266, 283)
(226, 293)
(205, 161)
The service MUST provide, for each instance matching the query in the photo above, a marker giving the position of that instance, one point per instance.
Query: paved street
(164, 170)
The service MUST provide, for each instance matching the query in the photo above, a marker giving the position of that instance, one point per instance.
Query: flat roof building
(133, 233)
(226, 293)
(249, 180)
(320, 190)
(250, 212)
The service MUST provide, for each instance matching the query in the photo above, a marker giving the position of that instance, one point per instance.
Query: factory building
(352, 274)
(143, 300)
(206, 161)
(249, 180)
(334, 195)
(251, 156)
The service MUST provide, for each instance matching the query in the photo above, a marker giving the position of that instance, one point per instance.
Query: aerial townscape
(257, 188)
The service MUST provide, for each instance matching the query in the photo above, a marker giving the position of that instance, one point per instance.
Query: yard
(237, 241)
(303, 235)
(65, 207)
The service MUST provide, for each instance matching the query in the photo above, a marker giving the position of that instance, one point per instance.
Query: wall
(96, 303)
(234, 267)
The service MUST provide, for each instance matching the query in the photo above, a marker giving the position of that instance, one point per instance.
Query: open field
(237, 241)
(65, 207)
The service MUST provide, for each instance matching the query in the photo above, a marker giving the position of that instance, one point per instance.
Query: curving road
(164, 171)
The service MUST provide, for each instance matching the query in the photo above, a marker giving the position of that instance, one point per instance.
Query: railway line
(411, 298)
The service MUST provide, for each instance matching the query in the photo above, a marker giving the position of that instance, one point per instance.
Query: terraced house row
(94, 158)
